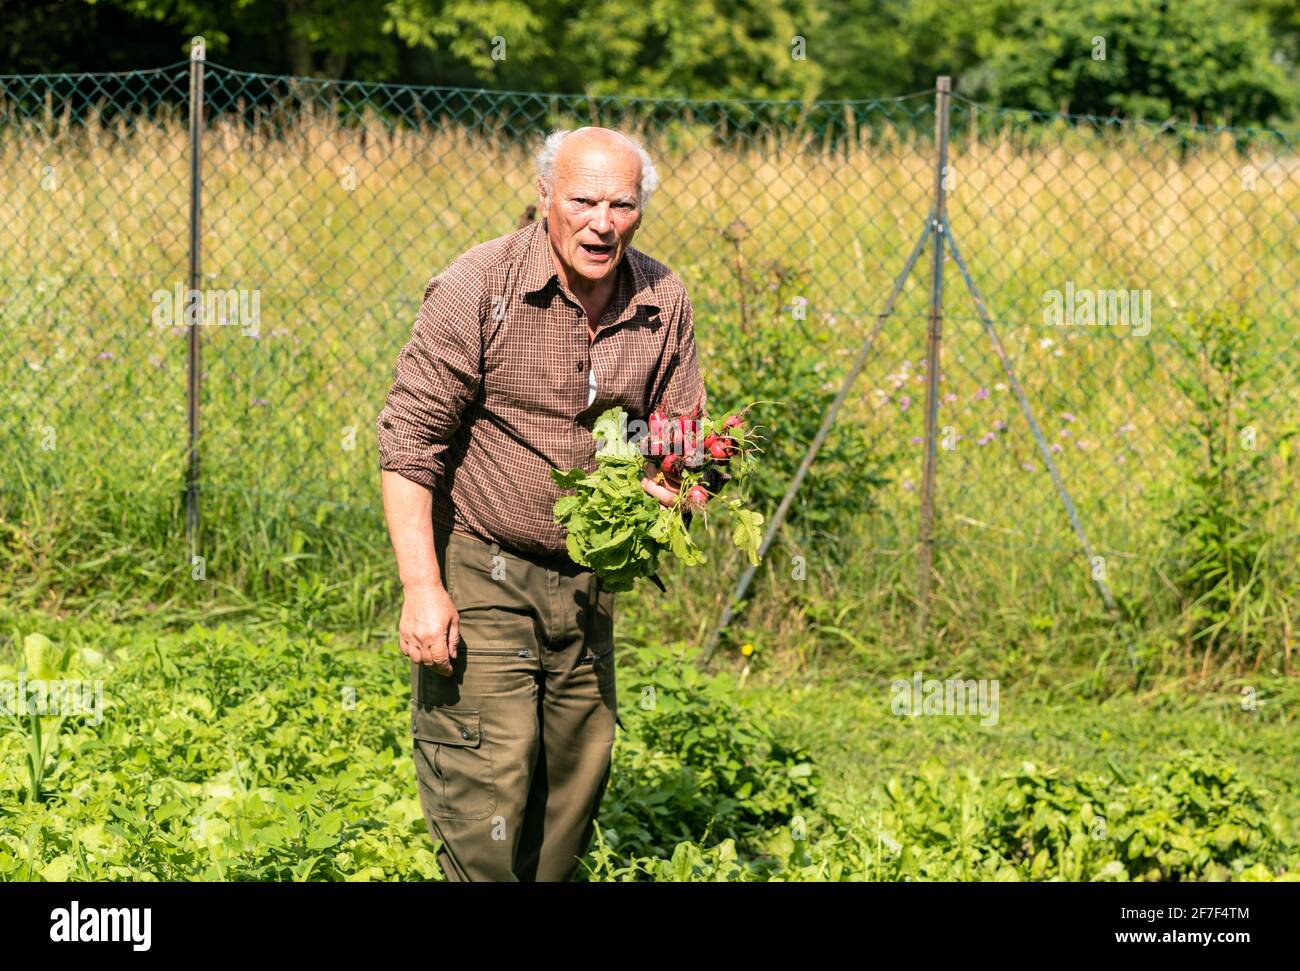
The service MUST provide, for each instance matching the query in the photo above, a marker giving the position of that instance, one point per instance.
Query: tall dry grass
(339, 226)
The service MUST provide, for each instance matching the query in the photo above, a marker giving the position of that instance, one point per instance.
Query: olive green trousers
(512, 751)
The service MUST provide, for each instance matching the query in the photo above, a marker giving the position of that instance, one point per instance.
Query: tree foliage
(1138, 58)
(1232, 60)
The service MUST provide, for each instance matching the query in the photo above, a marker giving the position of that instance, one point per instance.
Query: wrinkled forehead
(594, 169)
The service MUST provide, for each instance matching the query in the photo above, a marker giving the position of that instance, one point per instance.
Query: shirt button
(464, 733)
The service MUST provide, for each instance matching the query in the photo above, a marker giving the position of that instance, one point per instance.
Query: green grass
(846, 723)
(227, 753)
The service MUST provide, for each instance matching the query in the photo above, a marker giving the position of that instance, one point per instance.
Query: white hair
(551, 148)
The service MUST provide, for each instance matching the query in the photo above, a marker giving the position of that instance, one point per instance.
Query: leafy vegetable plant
(618, 530)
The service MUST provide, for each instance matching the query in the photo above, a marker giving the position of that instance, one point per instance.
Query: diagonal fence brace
(1073, 515)
(818, 440)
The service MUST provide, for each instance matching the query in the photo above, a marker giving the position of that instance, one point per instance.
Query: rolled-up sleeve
(438, 372)
(683, 389)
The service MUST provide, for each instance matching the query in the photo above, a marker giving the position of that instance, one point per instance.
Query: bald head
(602, 146)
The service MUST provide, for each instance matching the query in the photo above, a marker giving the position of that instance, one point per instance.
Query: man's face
(594, 210)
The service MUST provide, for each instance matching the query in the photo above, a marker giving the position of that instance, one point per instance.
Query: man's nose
(601, 222)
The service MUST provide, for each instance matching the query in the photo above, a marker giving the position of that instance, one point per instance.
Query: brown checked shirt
(491, 390)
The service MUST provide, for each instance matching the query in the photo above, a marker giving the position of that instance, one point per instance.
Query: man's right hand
(666, 493)
(429, 631)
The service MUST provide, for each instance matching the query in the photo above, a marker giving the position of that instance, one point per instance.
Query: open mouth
(598, 251)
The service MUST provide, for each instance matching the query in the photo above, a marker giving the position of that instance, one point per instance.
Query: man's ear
(543, 197)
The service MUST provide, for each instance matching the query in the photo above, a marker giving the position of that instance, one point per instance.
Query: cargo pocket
(452, 764)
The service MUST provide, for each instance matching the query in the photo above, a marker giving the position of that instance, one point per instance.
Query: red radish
(696, 497)
(720, 450)
(735, 421)
(684, 433)
(659, 432)
(670, 466)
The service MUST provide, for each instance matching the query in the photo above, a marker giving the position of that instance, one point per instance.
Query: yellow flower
(747, 649)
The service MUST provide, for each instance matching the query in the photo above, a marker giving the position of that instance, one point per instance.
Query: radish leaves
(617, 529)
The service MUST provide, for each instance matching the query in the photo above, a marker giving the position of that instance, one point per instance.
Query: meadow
(1176, 448)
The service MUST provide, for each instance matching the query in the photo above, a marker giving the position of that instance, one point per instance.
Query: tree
(652, 48)
(684, 48)
(1221, 59)
(1160, 59)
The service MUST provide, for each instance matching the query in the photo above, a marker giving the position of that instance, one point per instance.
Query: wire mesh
(327, 205)
(93, 219)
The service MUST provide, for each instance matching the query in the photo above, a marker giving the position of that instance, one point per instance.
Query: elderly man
(519, 345)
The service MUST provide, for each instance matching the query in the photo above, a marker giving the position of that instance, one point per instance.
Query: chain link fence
(1096, 243)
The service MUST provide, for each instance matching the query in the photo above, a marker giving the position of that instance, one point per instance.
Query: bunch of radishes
(619, 530)
(695, 456)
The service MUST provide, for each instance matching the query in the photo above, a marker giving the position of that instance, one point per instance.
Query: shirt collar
(539, 273)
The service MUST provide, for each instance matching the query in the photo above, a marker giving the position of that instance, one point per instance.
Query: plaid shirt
(491, 390)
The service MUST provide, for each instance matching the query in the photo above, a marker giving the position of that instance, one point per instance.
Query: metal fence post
(194, 389)
(943, 86)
